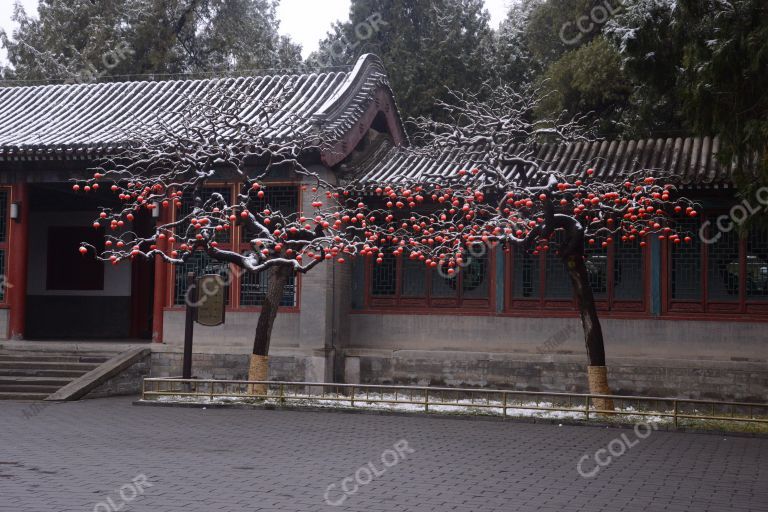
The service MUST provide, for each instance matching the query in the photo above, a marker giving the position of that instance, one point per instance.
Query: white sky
(306, 21)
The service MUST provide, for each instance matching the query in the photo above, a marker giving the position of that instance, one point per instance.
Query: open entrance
(70, 296)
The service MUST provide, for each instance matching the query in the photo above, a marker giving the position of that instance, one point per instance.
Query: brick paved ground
(75, 457)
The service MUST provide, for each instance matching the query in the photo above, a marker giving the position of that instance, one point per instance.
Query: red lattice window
(401, 282)
(246, 290)
(719, 271)
(616, 275)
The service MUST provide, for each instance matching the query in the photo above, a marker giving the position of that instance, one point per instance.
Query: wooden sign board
(211, 294)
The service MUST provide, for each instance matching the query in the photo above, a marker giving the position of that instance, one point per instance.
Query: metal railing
(504, 403)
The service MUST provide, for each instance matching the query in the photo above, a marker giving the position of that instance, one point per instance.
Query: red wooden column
(161, 286)
(18, 249)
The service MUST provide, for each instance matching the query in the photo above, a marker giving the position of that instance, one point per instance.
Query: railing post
(674, 403)
(352, 397)
(504, 404)
(426, 400)
(282, 393)
(586, 410)
(212, 383)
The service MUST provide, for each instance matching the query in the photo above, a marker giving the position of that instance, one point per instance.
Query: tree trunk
(593, 332)
(258, 369)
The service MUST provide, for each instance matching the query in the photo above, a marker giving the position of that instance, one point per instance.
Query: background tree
(164, 164)
(726, 77)
(650, 42)
(426, 46)
(73, 39)
(702, 66)
(588, 79)
(513, 62)
(580, 71)
(507, 198)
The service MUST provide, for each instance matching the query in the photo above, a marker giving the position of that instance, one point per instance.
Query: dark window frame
(705, 304)
(428, 300)
(607, 302)
(237, 240)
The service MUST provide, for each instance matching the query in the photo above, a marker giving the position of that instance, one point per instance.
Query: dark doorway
(71, 296)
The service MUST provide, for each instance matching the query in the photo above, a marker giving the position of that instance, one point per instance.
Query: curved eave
(365, 94)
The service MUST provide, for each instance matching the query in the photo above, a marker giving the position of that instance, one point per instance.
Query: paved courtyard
(107, 455)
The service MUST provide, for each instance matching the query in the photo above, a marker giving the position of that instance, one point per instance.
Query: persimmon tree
(494, 190)
(172, 161)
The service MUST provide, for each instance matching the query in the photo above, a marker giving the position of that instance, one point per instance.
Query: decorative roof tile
(84, 120)
(693, 160)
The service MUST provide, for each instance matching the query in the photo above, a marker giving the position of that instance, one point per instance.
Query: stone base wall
(234, 366)
(696, 379)
(740, 381)
(128, 382)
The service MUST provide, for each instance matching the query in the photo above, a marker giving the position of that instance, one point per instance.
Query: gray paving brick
(70, 457)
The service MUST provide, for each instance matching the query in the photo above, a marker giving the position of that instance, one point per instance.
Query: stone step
(32, 372)
(35, 381)
(51, 358)
(27, 388)
(42, 365)
(22, 396)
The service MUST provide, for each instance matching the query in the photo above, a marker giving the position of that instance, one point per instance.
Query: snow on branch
(473, 197)
(171, 166)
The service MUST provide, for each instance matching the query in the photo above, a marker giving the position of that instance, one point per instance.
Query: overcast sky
(306, 21)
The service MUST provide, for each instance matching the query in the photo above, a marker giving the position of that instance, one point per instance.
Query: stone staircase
(33, 375)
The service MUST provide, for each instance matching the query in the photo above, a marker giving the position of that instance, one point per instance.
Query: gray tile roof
(85, 120)
(692, 159)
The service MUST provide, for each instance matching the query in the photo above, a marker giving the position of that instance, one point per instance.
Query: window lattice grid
(757, 264)
(4, 206)
(558, 283)
(597, 270)
(443, 285)
(201, 264)
(475, 282)
(278, 198)
(414, 278)
(628, 271)
(253, 289)
(384, 276)
(685, 265)
(188, 203)
(723, 268)
(525, 274)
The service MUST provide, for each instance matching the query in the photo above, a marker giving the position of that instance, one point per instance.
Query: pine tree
(426, 47)
(82, 40)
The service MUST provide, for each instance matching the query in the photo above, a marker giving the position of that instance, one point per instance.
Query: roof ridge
(177, 77)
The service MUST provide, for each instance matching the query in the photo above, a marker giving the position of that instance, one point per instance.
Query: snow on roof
(691, 159)
(88, 119)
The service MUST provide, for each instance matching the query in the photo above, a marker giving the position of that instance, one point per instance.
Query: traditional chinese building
(677, 320)
(684, 318)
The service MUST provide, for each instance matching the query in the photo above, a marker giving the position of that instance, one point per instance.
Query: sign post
(205, 300)
(189, 325)
(211, 294)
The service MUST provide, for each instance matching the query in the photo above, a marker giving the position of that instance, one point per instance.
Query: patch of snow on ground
(395, 404)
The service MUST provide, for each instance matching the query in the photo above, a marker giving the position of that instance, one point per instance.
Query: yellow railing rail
(492, 401)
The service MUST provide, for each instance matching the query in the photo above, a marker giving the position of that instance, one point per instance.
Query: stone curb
(537, 421)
